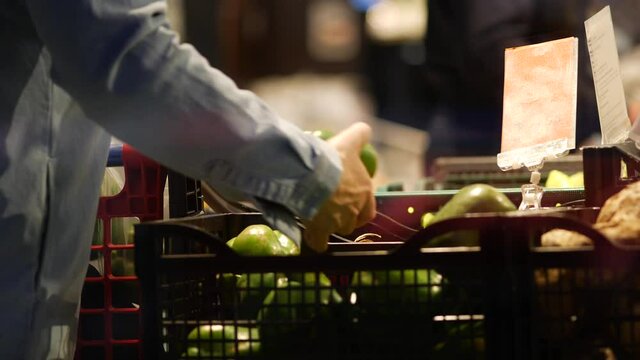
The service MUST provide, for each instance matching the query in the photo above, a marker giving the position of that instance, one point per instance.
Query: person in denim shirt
(75, 72)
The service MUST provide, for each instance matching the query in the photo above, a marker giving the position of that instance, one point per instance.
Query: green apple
(257, 240)
(230, 242)
(577, 179)
(219, 340)
(368, 154)
(426, 219)
(557, 179)
(289, 246)
(474, 198)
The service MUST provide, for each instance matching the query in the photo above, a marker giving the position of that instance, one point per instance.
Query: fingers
(346, 221)
(341, 220)
(354, 220)
(316, 240)
(354, 137)
(368, 212)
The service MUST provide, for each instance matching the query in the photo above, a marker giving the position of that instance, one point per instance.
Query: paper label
(612, 108)
(539, 104)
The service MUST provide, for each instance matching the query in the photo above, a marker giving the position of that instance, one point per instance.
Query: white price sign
(612, 108)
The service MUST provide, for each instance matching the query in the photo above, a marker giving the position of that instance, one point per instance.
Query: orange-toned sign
(539, 104)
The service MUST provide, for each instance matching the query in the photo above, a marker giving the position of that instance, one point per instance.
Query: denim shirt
(75, 72)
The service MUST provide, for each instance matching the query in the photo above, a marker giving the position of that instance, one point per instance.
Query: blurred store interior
(427, 75)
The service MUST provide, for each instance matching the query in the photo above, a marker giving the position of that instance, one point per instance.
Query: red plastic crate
(115, 332)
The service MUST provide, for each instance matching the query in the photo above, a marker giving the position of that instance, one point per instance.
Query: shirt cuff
(280, 218)
(309, 194)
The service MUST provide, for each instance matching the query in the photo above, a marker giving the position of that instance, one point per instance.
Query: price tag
(539, 103)
(612, 108)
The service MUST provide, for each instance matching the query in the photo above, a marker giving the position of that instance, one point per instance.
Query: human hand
(352, 204)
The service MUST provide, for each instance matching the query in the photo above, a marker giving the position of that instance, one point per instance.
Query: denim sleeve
(124, 65)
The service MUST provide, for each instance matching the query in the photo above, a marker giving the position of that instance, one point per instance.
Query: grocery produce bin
(109, 319)
(507, 298)
(399, 213)
(109, 323)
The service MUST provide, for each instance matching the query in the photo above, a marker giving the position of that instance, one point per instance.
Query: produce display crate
(608, 169)
(507, 298)
(187, 287)
(109, 323)
(185, 195)
(399, 212)
(456, 172)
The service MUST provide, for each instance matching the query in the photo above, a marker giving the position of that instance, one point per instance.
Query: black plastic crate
(506, 299)
(608, 169)
(345, 305)
(185, 195)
